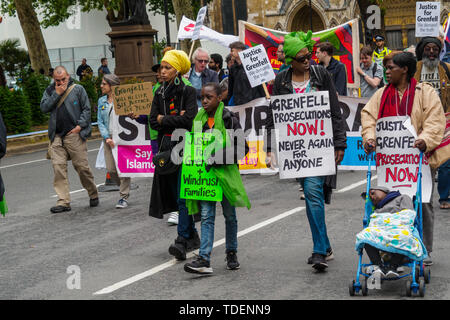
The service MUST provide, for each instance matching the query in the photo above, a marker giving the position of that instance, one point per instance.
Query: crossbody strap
(61, 101)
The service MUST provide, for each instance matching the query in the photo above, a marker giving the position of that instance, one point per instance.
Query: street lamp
(166, 14)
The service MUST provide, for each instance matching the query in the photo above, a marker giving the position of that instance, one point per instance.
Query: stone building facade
(293, 15)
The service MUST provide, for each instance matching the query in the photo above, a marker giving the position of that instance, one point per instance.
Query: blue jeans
(208, 211)
(186, 224)
(315, 211)
(444, 182)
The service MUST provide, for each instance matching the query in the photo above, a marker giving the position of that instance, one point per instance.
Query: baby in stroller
(390, 233)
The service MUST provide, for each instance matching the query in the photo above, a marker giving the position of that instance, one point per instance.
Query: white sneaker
(122, 204)
(173, 218)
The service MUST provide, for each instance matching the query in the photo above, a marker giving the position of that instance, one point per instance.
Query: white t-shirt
(432, 77)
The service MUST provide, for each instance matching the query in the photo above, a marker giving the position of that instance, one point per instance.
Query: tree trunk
(33, 36)
(184, 7)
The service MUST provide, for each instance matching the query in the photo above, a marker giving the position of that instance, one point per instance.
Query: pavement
(105, 253)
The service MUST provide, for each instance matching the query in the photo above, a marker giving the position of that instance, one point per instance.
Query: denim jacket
(103, 112)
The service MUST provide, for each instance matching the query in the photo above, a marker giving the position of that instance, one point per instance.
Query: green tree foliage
(12, 58)
(34, 85)
(15, 110)
(89, 84)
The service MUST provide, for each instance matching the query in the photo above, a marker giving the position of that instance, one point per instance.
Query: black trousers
(375, 257)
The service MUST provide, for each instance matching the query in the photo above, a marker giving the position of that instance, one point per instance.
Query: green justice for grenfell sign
(196, 182)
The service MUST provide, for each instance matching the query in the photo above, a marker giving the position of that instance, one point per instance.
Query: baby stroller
(419, 274)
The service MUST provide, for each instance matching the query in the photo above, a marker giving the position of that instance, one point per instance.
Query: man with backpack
(371, 73)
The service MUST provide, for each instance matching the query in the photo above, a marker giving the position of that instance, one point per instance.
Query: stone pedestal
(133, 51)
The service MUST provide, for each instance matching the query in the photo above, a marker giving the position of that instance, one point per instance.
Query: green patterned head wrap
(296, 41)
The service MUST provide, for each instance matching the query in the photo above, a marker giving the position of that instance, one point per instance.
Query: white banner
(133, 151)
(397, 159)
(257, 65)
(186, 32)
(252, 117)
(427, 19)
(305, 135)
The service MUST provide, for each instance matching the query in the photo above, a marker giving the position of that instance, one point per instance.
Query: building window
(230, 20)
(412, 40)
(394, 39)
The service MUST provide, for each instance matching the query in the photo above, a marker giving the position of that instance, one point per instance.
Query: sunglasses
(303, 58)
(202, 61)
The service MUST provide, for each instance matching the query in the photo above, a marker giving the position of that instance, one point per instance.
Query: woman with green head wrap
(302, 78)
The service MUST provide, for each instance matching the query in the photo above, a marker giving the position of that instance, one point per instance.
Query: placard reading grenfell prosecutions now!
(305, 135)
(196, 182)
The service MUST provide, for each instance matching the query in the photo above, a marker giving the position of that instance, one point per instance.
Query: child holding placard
(213, 116)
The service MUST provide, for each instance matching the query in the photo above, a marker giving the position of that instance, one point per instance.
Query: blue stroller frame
(420, 274)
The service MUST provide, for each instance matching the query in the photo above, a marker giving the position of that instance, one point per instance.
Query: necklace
(407, 100)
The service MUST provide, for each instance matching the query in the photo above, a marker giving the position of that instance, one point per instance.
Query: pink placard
(135, 159)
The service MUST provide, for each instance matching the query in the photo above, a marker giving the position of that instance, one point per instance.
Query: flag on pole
(186, 31)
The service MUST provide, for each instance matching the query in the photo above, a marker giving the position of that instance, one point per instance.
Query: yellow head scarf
(178, 59)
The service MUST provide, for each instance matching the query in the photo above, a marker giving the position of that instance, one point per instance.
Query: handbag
(163, 163)
(60, 102)
(162, 160)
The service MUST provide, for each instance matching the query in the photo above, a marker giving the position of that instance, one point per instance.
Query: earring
(177, 80)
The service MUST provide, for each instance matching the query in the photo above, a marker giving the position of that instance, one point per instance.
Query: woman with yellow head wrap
(174, 107)
(303, 78)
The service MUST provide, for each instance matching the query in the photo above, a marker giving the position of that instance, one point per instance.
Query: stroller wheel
(422, 287)
(364, 288)
(408, 288)
(351, 288)
(427, 274)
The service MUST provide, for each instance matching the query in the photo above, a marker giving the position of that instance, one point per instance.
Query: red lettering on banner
(301, 129)
(401, 175)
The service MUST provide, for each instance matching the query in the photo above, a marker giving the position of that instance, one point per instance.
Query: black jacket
(183, 98)
(240, 88)
(239, 150)
(339, 76)
(321, 79)
(207, 76)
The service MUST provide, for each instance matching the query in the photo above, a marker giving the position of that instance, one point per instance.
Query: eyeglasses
(202, 61)
(303, 58)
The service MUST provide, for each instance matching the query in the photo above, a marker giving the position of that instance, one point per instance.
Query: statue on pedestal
(135, 12)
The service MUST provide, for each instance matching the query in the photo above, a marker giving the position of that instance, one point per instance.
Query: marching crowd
(398, 83)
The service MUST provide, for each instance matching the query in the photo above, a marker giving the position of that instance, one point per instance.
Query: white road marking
(190, 255)
(33, 161)
(356, 184)
(76, 191)
(173, 262)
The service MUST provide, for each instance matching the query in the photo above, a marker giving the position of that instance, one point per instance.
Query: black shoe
(59, 209)
(232, 261)
(178, 249)
(319, 261)
(193, 242)
(330, 256)
(200, 266)
(93, 202)
(197, 217)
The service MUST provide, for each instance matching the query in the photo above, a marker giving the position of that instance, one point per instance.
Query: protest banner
(305, 144)
(136, 98)
(344, 38)
(132, 152)
(427, 19)
(196, 182)
(355, 157)
(199, 22)
(257, 65)
(185, 31)
(252, 118)
(398, 161)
